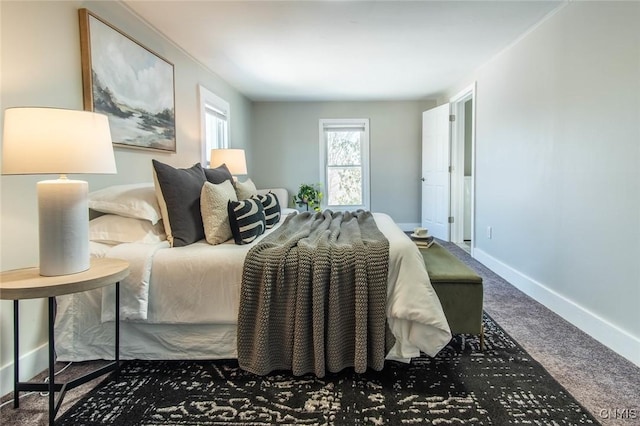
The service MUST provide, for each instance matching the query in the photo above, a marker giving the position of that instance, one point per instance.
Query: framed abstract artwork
(132, 85)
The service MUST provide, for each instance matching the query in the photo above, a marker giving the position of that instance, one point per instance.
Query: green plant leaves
(309, 195)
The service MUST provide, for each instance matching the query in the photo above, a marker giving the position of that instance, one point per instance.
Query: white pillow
(246, 189)
(214, 200)
(114, 229)
(98, 250)
(135, 200)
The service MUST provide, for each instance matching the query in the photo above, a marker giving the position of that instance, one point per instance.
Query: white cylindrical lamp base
(64, 226)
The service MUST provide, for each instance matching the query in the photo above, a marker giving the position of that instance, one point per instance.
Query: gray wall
(285, 149)
(558, 168)
(41, 67)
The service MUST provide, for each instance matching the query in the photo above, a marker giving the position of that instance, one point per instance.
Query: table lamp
(233, 158)
(59, 141)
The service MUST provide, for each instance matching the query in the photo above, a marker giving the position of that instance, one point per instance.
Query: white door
(435, 171)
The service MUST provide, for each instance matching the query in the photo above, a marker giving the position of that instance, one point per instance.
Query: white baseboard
(599, 328)
(31, 364)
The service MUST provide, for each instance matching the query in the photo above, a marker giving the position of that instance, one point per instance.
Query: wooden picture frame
(129, 83)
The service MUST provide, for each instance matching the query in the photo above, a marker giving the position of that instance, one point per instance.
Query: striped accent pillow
(246, 218)
(271, 208)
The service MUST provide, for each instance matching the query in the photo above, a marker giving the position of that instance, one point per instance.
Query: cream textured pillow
(213, 205)
(246, 189)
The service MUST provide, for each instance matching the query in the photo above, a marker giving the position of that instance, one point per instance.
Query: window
(214, 112)
(344, 163)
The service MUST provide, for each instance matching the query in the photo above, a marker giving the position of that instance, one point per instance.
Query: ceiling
(343, 50)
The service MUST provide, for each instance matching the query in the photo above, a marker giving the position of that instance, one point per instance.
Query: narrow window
(344, 163)
(215, 116)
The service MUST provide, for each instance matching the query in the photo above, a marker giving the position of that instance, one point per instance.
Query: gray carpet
(605, 383)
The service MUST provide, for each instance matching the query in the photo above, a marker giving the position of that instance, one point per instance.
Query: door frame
(457, 162)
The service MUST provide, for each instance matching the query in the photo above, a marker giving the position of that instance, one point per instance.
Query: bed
(182, 302)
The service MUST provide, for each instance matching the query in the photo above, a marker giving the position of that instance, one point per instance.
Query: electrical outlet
(489, 232)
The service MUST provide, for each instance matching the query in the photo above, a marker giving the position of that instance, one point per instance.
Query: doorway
(463, 168)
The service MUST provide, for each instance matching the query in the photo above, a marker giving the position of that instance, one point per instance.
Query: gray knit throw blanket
(314, 296)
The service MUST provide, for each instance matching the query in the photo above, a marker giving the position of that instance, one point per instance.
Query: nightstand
(29, 284)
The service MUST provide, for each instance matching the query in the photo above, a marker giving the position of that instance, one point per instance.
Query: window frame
(209, 100)
(324, 123)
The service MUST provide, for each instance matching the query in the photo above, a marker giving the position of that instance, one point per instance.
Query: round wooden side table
(29, 284)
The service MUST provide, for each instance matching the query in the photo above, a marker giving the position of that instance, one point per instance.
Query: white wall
(41, 67)
(286, 149)
(558, 168)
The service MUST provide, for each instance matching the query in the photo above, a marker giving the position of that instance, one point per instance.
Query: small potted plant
(309, 196)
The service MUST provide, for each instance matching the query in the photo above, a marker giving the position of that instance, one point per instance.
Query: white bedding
(193, 299)
(134, 289)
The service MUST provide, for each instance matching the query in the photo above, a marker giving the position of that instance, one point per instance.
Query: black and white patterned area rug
(501, 385)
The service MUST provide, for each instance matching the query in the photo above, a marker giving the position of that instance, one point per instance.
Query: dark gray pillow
(180, 193)
(246, 218)
(218, 175)
(271, 208)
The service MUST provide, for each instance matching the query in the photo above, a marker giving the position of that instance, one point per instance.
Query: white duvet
(198, 286)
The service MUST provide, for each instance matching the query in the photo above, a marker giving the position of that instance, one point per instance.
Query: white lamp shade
(233, 158)
(60, 141)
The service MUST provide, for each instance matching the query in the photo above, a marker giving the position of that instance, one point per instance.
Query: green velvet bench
(459, 290)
